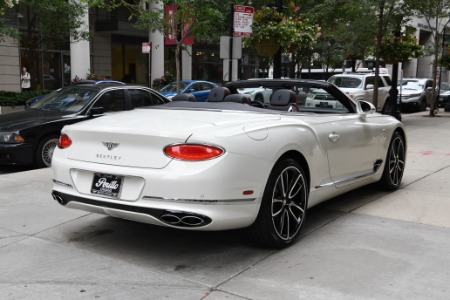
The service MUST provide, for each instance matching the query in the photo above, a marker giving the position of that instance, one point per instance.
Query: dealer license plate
(106, 185)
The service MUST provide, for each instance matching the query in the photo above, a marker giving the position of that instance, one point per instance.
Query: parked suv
(444, 96)
(359, 86)
(415, 93)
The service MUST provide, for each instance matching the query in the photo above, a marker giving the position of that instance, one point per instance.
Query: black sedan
(29, 137)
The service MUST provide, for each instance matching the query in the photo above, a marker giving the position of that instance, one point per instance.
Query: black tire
(423, 105)
(44, 151)
(395, 163)
(283, 206)
(259, 98)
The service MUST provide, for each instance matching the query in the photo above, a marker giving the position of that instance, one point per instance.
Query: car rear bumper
(193, 197)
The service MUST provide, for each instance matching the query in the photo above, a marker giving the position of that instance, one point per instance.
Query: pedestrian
(25, 80)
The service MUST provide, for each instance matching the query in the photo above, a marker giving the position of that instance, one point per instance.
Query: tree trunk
(433, 104)
(178, 66)
(377, 54)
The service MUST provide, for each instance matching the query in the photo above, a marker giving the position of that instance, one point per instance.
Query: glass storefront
(129, 64)
(50, 70)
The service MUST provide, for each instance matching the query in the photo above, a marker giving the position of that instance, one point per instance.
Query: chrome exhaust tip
(184, 219)
(58, 198)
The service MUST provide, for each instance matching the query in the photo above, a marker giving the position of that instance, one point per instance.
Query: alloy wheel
(397, 161)
(289, 203)
(47, 151)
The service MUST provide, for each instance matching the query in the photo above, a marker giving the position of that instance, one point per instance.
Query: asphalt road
(367, 244)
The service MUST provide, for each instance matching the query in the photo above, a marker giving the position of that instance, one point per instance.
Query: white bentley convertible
(229, 162)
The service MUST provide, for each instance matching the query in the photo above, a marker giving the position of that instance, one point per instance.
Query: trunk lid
(137, 138)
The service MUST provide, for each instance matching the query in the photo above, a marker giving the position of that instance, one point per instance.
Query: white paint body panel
(253, 143)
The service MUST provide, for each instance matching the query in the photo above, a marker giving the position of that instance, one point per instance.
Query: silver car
(415, 93)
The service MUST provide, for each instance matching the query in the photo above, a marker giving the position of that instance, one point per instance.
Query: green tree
(5, 30)
(198, 19)
(6, 4)
(436, 14)
(349, 25)
(392, 15)
(48, 23)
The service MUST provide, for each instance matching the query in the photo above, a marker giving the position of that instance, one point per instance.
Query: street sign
(243, 20)
(226, 70)
(146, 47)
(225, 47)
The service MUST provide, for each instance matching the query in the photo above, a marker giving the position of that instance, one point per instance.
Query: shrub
(17, 98)
(159, 83)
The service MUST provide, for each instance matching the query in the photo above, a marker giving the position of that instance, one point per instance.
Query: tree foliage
(6, 4)
(289, 28)
(347, 24)
(436, 14)
(5, 29)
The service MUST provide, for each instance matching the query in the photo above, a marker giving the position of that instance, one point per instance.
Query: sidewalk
(366, 244)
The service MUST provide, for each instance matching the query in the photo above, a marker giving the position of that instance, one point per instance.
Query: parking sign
(243, 20)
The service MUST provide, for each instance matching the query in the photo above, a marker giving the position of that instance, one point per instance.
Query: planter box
(6, 109)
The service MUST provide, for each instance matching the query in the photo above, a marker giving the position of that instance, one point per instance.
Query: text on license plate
(106, 185)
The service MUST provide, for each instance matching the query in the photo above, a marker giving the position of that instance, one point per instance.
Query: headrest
(184, 97)
(283, 97)
(217, 94)
(238, 98)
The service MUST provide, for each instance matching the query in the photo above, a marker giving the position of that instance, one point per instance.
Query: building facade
(116, 52)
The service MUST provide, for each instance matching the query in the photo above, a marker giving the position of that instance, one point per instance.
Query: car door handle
(334, 137)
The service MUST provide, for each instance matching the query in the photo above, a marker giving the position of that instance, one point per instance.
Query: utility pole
(230, 68)
(277, 56)
(392, 107)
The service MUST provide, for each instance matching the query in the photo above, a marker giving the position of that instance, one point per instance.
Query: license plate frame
(106, 185)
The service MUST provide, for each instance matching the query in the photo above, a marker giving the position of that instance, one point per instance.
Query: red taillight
(193, 151)
(64, 141)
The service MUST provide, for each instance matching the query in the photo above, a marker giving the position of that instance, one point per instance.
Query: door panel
(351, 145)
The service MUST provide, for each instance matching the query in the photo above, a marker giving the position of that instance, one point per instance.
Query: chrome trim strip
(346, 181)
(62, 183)
(201, 201)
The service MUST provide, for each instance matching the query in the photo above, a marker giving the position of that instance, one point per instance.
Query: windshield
(410, 85)
(445, 86)
(346, 82)
(172, 87)
(70, 99)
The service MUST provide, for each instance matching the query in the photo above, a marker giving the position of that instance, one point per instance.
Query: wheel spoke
(281, 223)
(287, 224)
(277, 212)
(295, 187)
(282, 189)
(298, 217)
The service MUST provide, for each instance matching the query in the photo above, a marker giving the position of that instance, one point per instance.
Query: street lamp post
(19, 16)
(392, 107)
(277, 56)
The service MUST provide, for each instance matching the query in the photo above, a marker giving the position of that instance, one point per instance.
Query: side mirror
(95, 111)
(364, 108)
(369, 87)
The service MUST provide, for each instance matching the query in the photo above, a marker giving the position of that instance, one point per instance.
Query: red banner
(171, 17)
(171, 36)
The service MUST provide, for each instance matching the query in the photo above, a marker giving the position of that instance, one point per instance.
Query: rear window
(141, 98)
(346, 82)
